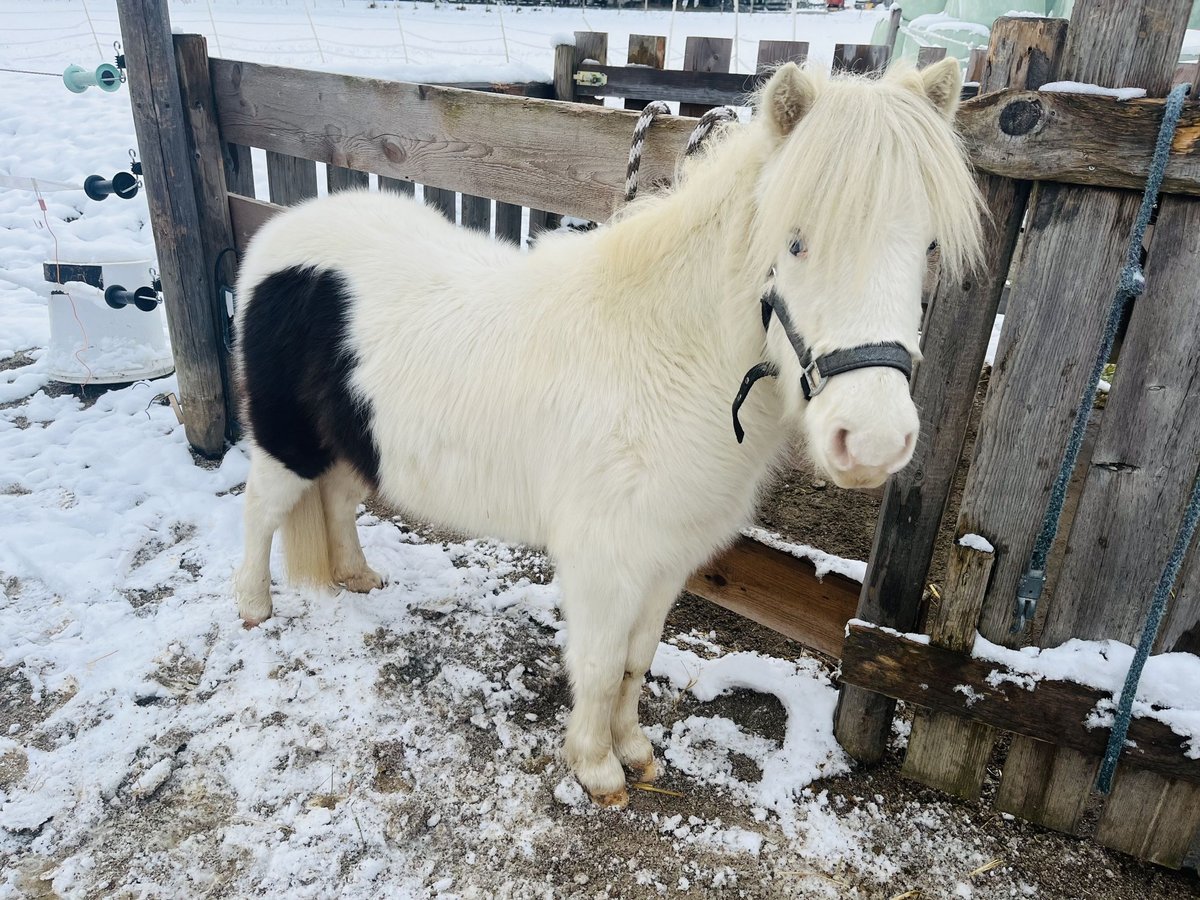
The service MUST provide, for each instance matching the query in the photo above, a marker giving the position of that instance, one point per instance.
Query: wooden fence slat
(1046, 350)
(935, 678)
(162, 135)
(975, 63)
(773, 54)
(508, 222)
(777, 590)
(701, 88)
(477, 213)
(649, 50)
(860, 58)
(704, 54)
(1024, 53)
(210, 180)
(338, 178)
(943, 750)
(239, 169)
(927, 56)
(1156, 816)
(397, 185)
(441, 200)
(246, 216)
(290, 179)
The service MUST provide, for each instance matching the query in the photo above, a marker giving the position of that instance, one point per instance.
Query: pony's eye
(798, 248)
(932, 247)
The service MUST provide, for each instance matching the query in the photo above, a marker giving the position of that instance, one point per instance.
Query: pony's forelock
(867, 147)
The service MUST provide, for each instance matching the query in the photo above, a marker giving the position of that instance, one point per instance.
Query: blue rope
(1131, 283)
(1166, 584)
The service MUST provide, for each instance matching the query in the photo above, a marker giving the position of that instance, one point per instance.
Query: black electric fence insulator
(124, 184)
(144, 298)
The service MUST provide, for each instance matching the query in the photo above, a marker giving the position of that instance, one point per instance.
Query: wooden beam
(555, 156)
(708, 88)
(783, 593)
(959, 323)
(161, 126)
(1053, 711)
(210, 179)
(1078, 138)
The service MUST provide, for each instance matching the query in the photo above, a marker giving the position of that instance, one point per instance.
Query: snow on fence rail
(559, 158)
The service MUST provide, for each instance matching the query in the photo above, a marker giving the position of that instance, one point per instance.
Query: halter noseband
(815, 372)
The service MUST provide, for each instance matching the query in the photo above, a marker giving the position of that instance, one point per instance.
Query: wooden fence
(1058, 162)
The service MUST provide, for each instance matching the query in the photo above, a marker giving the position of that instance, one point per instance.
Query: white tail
(305, 540)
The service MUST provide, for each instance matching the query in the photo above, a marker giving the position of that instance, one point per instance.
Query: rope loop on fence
(1131, 283)
(653, 110)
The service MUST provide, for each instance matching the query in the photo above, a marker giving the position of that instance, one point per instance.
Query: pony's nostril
(840, 449)
(909, 440)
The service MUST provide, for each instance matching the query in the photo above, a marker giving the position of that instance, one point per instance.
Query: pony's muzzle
(866, 456)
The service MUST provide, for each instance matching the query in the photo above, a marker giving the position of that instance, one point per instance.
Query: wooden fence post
(645, 50)
(1023, 54)
(701, 54)
(893, 30)
(161, 127)
(208, 164)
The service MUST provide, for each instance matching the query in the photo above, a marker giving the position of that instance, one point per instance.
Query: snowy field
(401, 744)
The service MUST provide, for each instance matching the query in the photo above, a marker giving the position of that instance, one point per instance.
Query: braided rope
(1131, 283)
(652, 111)
(707, 123)
(699, 134)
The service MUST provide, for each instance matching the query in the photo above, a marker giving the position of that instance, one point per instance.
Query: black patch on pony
(296, 368)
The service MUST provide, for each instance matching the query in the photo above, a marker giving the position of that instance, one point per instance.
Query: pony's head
(863, 177)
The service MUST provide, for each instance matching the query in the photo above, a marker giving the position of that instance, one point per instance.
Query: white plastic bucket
(92, 343)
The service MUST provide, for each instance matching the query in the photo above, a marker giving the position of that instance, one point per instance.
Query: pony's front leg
(600, 611)
(630, 743)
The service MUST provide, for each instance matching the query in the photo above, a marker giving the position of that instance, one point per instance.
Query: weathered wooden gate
(1068, 166)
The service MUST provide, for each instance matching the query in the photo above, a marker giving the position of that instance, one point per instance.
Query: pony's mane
(867, 147)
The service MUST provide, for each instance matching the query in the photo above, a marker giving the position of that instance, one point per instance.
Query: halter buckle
(812, 382)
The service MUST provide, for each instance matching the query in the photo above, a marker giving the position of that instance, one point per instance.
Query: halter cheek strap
(815, 372)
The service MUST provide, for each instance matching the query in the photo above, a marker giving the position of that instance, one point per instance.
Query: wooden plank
(1055, 712)
(704, 54)
(945, 751)
(564, 72)
(508, 222)
(443, 201)
(477, 213)
(975, 63)
(927, 56)
(778, 590)
(1078, 138)
(397, 185)
(1159, 816)
(702, 88)
(209, 178)
(773, 54)
(290, 179)
(649, 51)
(239, 169)
(1029, 772)
(860, 58)
(247, 215)
(1046, 349)
(338, 178)
(955, 338)
(591, 45)
(555, 156)
(162, 136)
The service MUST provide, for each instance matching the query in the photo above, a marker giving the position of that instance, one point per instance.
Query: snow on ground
(401, 744)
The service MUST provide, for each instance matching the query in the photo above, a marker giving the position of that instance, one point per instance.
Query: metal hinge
(591, 79)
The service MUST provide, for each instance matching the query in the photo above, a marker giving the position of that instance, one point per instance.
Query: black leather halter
(816, 372)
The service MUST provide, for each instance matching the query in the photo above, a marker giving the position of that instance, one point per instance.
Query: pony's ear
(942, 84)
(787, 97)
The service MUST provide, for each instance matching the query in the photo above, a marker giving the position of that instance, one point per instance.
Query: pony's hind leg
(599, 610)
(630, 743)
(341, 491)
(271, 491)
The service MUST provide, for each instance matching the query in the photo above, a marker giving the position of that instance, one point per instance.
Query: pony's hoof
(363, 582)
(617, 799)
(650, 771)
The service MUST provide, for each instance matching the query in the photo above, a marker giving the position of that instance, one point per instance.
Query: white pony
(577, 397)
